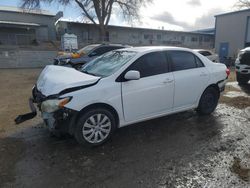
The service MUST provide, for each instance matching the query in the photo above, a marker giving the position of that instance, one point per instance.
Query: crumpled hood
(54, 79)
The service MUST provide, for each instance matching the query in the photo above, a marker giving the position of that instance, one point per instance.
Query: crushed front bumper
(60, 120)
(32, 114)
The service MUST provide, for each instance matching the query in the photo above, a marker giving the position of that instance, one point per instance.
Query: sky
(183, 15)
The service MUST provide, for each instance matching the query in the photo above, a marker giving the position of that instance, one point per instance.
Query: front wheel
(208, 101)
(95, 127)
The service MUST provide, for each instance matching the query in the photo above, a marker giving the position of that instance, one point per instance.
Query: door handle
(168, 80)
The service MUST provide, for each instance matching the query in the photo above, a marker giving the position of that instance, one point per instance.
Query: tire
(208, 101)
(91, 131)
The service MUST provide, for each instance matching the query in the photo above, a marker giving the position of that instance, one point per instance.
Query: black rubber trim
(21, 118)
(69, 90)
(222, 81)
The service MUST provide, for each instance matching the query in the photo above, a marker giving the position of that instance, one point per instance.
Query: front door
(153, 93)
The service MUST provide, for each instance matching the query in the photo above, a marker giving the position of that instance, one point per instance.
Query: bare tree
(241, 4)
(98, 11)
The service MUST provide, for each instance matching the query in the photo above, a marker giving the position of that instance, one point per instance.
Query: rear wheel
(95, 127)
(208, 101)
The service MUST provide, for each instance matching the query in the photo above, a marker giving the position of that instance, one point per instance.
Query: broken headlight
(52, 105)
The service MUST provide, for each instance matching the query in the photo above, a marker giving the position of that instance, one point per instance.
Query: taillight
(228, 72)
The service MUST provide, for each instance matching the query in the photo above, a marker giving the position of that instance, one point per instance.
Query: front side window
(108, 63)
(99, 51)
(182, 60)
(150, 64)
(86, 49)
(104, 49)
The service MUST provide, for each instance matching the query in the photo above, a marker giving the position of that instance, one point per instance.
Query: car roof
(197, 50)
(154, 48)
(119, 45)
(245, 49)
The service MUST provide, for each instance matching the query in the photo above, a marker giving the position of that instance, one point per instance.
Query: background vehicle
(86, 54)
(210, 55)
(124, 87)
(242, 66)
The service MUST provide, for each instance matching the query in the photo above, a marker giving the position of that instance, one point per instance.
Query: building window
(134, 36)
(182, 38)
(194, 39)
(158, 36)
(148, 36)
(114, 35)
(207, 39)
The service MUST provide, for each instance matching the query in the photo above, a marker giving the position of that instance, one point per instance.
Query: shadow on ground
(140, 155)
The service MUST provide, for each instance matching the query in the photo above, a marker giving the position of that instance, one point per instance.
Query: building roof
(19, 23)
(235, 12)
(28, 11)
(138, 28)
(207, 31)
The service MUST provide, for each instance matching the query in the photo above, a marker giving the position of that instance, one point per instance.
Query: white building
(89, 33)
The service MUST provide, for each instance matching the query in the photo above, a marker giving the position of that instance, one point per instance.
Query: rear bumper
(222, 85)
(243, 75)
(242, 69)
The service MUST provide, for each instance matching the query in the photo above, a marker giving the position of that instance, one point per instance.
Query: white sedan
(124, 87)
(208, 54)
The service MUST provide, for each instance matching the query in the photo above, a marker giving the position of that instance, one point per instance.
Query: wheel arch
(215, 86)
(89, 107)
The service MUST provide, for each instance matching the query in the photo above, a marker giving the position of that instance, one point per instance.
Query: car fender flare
(74, 119)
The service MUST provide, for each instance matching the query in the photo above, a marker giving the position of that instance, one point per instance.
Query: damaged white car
(124, 87)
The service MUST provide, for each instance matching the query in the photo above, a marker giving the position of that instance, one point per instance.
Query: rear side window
(153, 63)
(181, 60)
(205, 53)
(101, 50)
(199, 62)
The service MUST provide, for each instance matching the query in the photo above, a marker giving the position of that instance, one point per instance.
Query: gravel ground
(182, 150)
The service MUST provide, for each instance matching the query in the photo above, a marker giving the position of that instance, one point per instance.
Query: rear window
(245, 58)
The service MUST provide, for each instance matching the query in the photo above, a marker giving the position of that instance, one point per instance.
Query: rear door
(191, 77)
(153, 93)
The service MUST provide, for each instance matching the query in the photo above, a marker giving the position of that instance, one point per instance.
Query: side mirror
(132, 75)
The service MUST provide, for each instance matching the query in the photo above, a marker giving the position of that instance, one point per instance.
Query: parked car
(210, 55)
(124, 87)
(86, 54)
(242, 66)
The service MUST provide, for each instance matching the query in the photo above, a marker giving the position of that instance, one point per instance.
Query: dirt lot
(182, 150)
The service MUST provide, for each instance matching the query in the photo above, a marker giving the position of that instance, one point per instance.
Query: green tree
(98, 11)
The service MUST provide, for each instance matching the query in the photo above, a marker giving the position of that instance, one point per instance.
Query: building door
(223, 53)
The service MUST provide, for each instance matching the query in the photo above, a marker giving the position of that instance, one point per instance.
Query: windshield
(86, 49)
(108, 63)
